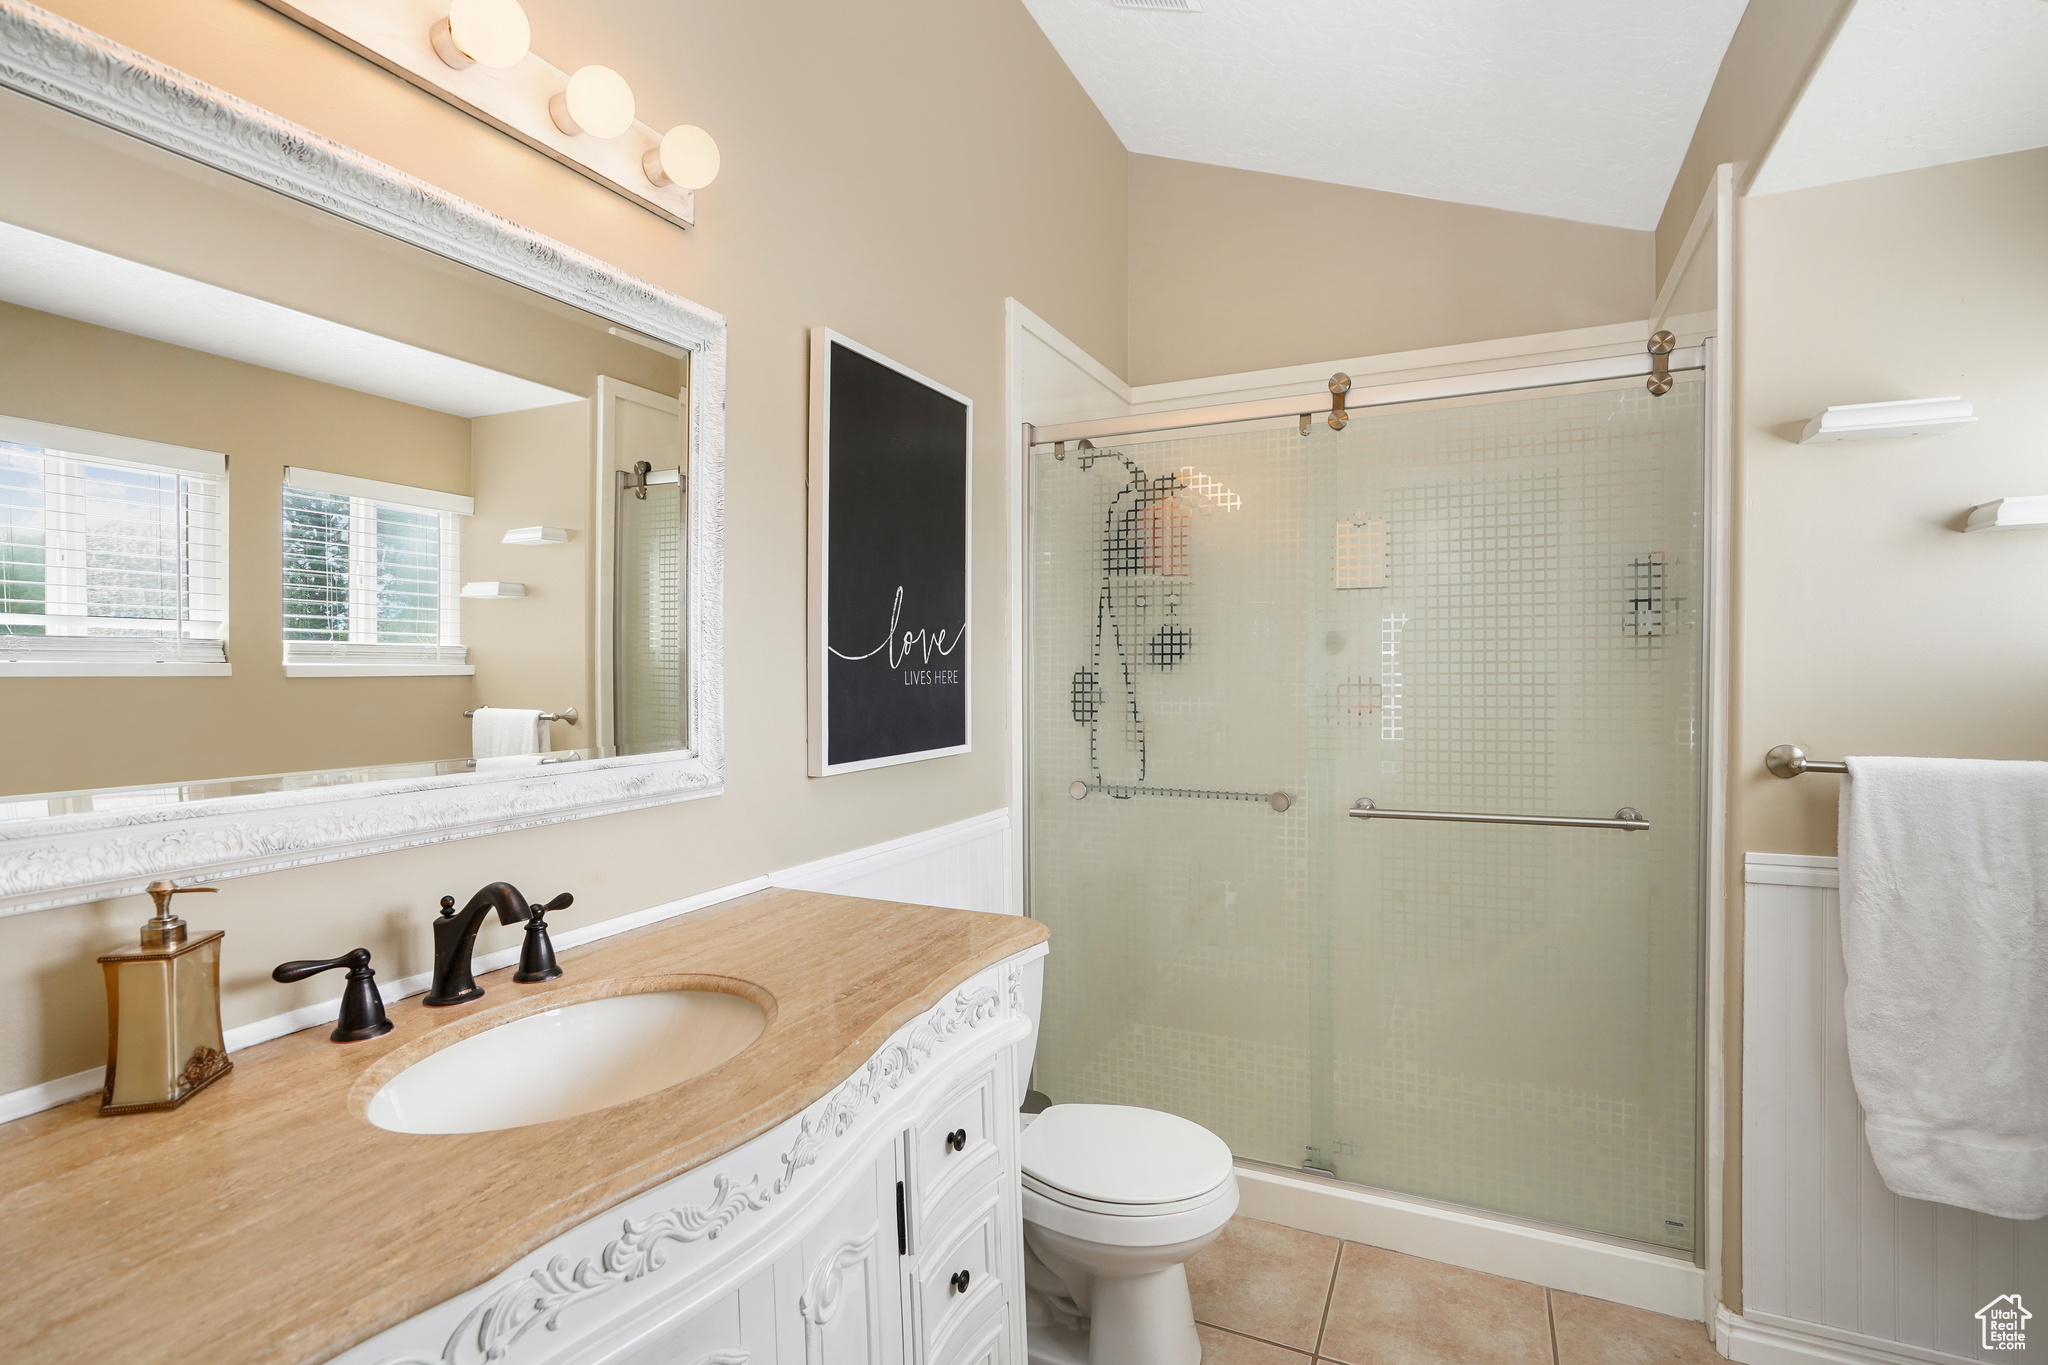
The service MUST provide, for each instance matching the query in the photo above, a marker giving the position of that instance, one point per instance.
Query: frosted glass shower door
(1484, 605)
(649, 667)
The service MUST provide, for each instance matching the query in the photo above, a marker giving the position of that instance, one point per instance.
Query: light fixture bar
(398, 36)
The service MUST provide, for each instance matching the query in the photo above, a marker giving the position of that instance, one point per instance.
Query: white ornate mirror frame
(63, 860)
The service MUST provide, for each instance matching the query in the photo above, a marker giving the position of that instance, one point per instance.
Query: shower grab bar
(1627, 819)
(1279, 801)
(1789, 760)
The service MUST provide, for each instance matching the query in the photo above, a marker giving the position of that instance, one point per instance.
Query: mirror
(287, 502)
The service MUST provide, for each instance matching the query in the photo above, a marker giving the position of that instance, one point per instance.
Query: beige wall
(1234, 270)
(104, 732)
(1775, 49)
(888, 169)
(533, 469)
(1864, 623)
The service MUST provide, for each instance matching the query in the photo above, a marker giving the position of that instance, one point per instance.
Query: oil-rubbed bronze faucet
(362, 1005)
(455, 938)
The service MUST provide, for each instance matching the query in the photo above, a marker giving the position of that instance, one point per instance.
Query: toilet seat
(1120, 1176)
(1142, 1227)
(1114, 1208)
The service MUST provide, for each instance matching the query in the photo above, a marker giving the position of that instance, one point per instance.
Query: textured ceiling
(1911, 83)
(1572, 108)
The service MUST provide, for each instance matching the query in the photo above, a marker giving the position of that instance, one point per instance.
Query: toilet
(1115, 1201)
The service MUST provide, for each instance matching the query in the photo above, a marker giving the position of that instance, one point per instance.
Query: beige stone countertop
(266, 1220)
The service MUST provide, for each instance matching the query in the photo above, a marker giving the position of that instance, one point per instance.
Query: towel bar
(568, 716)
(1789, 760)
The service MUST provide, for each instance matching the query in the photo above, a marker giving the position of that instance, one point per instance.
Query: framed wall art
(889, 587)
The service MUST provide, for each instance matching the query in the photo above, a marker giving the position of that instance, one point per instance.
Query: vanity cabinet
(881, 1225)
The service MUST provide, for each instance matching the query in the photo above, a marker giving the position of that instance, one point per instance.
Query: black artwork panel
(897, 564)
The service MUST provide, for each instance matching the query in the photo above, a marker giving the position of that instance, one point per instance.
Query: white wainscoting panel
(961, 866)
(1825, 1245)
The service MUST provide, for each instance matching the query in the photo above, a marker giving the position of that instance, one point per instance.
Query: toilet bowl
(1115, 1201)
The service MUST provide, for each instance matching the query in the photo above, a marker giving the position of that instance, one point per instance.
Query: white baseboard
(1517, 1251)
(1765, 1339)
(36, 1098)
(949, 865)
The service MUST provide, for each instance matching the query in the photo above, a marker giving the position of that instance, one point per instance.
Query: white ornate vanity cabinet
(880, 1225)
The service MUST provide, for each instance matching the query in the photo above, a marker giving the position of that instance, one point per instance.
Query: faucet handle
(362, 1007)
(537, 954)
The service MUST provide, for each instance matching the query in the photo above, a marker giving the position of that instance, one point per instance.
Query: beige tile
(1596, 1332)
(1264, 1280)
(1390, 1309)
(1228, 1348)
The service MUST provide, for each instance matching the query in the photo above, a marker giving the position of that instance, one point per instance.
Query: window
(372, 577)
(113, 554)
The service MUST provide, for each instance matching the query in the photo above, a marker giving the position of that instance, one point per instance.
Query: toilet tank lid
(1121, 1155)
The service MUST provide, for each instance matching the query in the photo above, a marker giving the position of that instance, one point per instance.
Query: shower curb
(1619, 1272)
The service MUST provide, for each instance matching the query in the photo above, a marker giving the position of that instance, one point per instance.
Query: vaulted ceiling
(1913, 83)
(1576, 109)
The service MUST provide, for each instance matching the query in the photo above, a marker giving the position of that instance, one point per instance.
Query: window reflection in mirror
(285, 503)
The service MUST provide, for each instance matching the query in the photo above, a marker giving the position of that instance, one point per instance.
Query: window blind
(109, 560)
(369, 580)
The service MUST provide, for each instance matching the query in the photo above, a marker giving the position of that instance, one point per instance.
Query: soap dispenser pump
(163, 1013)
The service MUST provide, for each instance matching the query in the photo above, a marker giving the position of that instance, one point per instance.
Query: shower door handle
(1628, 818)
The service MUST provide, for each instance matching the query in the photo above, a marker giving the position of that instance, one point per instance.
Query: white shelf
(2010, 514)
(1881, 421)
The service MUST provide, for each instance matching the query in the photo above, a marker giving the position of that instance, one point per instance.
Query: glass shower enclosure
(649, 595)
(1482, 605)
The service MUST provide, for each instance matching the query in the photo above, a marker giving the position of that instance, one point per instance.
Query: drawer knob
(960, 1278)
(957, 1140)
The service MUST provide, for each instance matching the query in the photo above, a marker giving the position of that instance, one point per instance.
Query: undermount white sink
(567, 1061)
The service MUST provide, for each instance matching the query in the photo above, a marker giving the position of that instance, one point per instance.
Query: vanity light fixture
(687, 156)
(491, 33)
(598, 102)
(479, 58)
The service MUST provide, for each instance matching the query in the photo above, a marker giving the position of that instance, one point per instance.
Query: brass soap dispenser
(163, 1013)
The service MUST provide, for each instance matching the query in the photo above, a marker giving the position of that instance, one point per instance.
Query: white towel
(504, 731)
(1945, 937)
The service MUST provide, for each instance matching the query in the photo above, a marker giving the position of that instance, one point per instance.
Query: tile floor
(1268, 1295)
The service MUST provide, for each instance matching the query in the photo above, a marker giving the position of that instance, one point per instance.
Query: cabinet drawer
(956, 1146)
(959, 1276)
(986, 1342)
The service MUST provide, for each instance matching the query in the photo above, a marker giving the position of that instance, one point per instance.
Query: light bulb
(687, 157)
(598, 102)
(486, 32)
